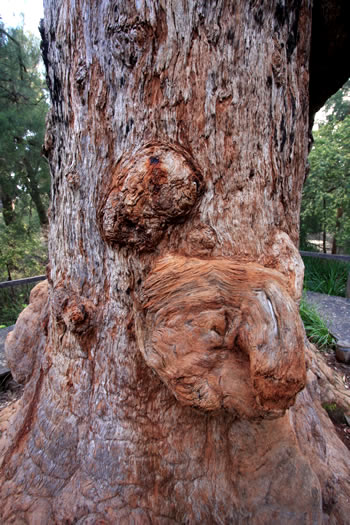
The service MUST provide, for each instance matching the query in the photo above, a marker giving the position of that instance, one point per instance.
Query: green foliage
(12, 302)
(326, 194)
(326, 276)
(23, 106)
(24, 174)
(23, 252)
(315, 327)
(338, 105)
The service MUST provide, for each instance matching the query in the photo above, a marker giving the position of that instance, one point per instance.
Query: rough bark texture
(223, 335)
(178, 142)
(29, 337)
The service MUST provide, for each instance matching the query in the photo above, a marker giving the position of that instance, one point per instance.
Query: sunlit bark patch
(150, 189)
(223, 335)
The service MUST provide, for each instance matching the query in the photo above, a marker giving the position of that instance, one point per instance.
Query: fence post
(347, 295)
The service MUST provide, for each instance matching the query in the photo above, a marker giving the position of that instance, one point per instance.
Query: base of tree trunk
(293, 469)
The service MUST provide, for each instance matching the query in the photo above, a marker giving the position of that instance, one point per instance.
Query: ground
(337, 416)
(336, 312)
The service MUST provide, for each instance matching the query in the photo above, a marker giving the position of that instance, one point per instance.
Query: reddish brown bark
(178, 142)
(223, 336)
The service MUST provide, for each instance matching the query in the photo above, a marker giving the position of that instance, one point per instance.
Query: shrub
(315, 327)
(326, 276)
(12, 302)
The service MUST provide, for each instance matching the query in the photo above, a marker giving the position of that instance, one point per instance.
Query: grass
(315, 327)
(326, 276)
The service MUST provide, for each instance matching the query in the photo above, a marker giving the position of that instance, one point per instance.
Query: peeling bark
(178, 142)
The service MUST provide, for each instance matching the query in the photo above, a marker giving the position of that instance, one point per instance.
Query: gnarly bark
(157, 186)
(223, 335)
(267, 458)
(318, 441)
(29, 336)
(178, 142)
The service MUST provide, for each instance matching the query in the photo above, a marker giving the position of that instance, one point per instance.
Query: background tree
(166, 346)
(337, 106)
(326, 194)
(24, 174)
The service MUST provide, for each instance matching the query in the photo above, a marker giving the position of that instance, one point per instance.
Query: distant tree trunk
(337, 228)
(9, 276)
(34, 192)
(324, 232)
(7, 200)
(334, 245)
(163, 353)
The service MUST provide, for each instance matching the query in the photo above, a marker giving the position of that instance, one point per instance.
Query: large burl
(151, 188)
(223, 335)
(28, 338)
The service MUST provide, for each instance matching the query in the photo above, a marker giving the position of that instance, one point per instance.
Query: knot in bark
(76, 312)
(73, 180)
(223, 335)
(157, 186)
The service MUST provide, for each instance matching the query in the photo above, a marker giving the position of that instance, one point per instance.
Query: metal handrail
(26, 280)
(319, 255)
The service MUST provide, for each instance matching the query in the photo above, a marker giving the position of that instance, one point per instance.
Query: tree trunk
(324, 232)
(337, 228)
(33, 189)
(7, 198)
(167, 347)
